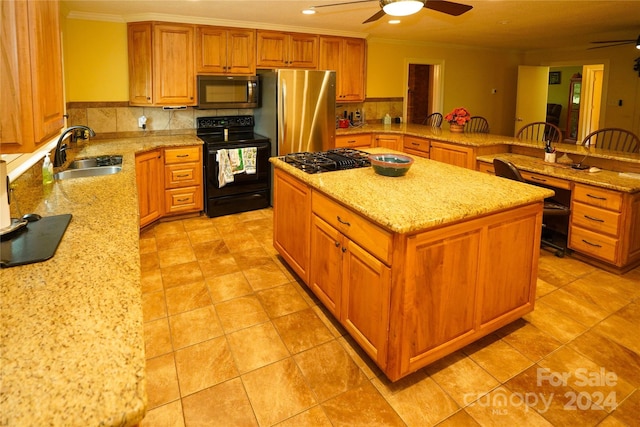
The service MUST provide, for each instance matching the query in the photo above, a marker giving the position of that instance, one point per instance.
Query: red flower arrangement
(458, 116)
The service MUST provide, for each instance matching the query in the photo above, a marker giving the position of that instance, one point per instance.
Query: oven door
(242, 182)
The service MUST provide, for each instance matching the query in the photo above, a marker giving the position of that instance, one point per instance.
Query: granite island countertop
(71, 345)
(429, 195)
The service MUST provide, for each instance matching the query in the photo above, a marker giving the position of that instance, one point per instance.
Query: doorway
(424, 89)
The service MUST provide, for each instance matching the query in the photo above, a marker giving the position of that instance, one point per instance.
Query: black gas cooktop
(327, 161)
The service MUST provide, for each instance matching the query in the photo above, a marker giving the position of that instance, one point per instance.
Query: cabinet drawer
(486, 168)
(186, 199)
(374, 239)
(363, 140)
(595, 244)
(601, 197)
(412, 143)
(596, 219)
(181, 155)
(536, 178)
(182, 175)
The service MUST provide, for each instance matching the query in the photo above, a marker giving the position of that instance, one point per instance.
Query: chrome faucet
(60, 155)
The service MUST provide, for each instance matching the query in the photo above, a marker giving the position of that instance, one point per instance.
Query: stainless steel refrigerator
(298, 110)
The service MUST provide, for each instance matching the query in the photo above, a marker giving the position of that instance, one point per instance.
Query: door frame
(437, 97)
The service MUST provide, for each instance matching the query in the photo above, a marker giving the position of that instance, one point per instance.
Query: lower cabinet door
(366, 297)
(326, 264)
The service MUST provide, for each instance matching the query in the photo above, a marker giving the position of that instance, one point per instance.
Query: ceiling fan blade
(611, 45)
(614, 41)
(448, 7)
(342, 4)
(379, 14)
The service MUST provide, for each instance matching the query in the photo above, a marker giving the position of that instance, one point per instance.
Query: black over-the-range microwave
(228, 91)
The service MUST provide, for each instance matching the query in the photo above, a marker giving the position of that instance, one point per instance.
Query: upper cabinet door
(241, 51)
(140, 64)
(346, 56)
(286, 50)
(32, 107)
(173, 65)
(303, 51)
(211, 50)
(272, 49)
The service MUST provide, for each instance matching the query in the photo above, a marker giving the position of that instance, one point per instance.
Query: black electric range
(327, 161)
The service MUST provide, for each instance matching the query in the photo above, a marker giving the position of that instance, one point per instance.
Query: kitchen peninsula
(414, 267)
(72, 349)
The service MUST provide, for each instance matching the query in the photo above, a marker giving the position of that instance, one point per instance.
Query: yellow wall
(469, 77)
(95, 60)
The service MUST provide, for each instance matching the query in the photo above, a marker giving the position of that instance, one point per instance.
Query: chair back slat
(477, 124)
(613, 139)
(433, 120)
(540, 131)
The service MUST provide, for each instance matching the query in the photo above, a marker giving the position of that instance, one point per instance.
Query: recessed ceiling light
(308, 11)
(394, 21)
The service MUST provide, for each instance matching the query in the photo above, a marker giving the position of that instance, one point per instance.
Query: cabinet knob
(344, 249)
(337, 244)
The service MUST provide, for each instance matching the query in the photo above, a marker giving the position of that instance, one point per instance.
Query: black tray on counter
(35, 242)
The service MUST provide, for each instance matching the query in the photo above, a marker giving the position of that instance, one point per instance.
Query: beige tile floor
(232, 339)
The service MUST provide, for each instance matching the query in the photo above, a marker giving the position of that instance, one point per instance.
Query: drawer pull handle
(415, 143)
(182, 200)
(183, 175)
(592, 244)
(596, 197)
(351, 141)
(594, 219)
(343, 222)
(337, 244)
(535, 178)
(182, 155)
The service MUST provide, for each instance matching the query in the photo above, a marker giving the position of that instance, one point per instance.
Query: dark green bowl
(390, 164)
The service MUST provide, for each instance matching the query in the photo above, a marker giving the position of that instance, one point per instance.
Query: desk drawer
(412, 143)
(596, 219)
(374, 239)
(486, 168)
(541, 179)
(600, 197)
(363, 140)
(595, 244)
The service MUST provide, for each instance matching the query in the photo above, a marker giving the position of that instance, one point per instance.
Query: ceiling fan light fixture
(401, 7)
(309, 11)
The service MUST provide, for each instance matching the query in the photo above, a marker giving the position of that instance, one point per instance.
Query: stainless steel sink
(92, 166)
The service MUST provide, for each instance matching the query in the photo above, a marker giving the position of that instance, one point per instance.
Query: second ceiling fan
(408, 7)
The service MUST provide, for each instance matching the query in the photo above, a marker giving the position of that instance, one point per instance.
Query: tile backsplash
(118, 119)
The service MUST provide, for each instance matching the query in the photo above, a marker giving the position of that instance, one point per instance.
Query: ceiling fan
(610, 43)
(408, 7)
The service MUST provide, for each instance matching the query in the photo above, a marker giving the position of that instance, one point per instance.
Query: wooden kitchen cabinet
(161, 64)
(387, 140)
(32, 107)
(292, 222)
(605, 224)
(286, 50)
(347, 57)
(452, 154)
(222, 50)
(183, 180)
(353, 141)
(416, 146)
(149, 175)
(350, 280)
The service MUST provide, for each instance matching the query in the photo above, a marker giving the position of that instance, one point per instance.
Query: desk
(604, 228)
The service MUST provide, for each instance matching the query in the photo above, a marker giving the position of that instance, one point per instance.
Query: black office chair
(552, 208)
(477, 124)
(433, 120)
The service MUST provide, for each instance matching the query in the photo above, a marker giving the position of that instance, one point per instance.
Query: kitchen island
(413, 267)
(72, 348)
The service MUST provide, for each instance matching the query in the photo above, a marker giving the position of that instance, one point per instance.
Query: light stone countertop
(604, 178)
(430, 194)
(71, 346)
(484, 140)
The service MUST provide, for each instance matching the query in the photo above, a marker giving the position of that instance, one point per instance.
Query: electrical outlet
(142, 122)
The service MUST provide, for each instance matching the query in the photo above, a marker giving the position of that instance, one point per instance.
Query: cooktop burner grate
(326, 161)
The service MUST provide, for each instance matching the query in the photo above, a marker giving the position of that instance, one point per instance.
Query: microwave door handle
(250, 91)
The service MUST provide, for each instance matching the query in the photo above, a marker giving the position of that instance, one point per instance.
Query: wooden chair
(613, 139)
(540, 131)
(477, 124)
(506, 169)
(433, 120)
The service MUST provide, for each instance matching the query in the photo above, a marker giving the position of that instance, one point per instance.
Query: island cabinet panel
(462, 282)
(292, 222)
(452, 154)
(149, 171)
(325, 279)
